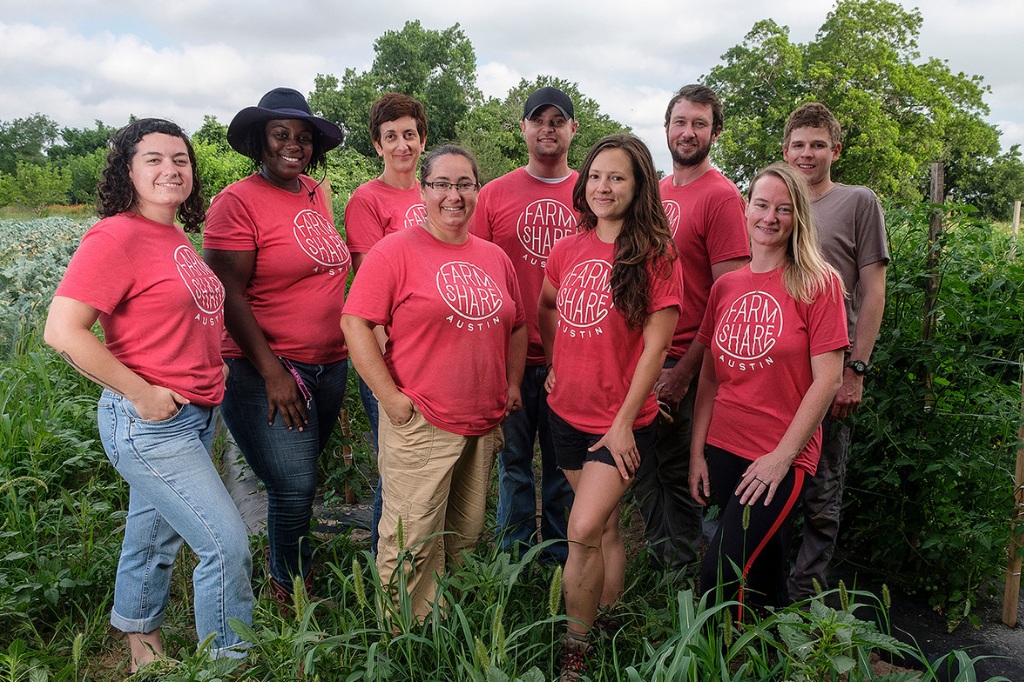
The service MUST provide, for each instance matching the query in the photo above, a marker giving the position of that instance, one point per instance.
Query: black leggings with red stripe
(757, 552)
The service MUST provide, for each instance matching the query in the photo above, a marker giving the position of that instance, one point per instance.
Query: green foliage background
(930, 494)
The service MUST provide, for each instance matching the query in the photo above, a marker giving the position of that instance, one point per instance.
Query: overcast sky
(78, 61)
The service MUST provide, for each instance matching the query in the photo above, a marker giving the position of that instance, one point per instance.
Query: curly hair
(393, 106)
(117, 191)
(253, 145)
(644, 246)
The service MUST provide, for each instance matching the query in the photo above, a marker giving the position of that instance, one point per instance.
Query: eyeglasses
(462, 188)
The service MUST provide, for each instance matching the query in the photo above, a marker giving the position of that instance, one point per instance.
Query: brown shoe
(575, 654)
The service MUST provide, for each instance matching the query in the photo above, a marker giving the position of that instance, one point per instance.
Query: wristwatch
(859, 367)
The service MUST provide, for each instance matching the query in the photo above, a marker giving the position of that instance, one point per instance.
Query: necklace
(764, 285)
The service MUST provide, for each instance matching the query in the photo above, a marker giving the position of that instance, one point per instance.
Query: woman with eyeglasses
(271, 241)
(450, 305)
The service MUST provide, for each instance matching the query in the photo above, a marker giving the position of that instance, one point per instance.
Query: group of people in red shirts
(659, 336)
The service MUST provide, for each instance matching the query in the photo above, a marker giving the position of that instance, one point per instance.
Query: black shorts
(571, 444)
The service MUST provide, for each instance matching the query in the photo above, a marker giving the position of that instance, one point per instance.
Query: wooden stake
(931, 291)
(1015, 229)
(1011, 596)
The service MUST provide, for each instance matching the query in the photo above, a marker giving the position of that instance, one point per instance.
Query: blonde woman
(775, 332)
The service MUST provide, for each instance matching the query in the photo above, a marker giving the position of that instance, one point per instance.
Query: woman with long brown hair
(608, 307)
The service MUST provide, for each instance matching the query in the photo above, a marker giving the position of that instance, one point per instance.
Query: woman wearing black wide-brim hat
(271, 240)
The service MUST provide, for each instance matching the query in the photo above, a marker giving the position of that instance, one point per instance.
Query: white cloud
(81, 60)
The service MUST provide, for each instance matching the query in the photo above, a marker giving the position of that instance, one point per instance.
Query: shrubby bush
(33, 257)
(930, 481)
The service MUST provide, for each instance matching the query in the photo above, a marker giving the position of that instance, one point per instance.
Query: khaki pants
(437, 483)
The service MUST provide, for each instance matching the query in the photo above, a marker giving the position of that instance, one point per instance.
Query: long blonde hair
(807, 274)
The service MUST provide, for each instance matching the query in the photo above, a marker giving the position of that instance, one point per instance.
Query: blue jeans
(372, 409)
(175, 495)
(517, 497)
(285, 460)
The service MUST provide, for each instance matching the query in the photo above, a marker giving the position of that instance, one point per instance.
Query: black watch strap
(859, 367)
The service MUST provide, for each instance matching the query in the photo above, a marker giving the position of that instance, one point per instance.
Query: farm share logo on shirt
(540, 225)
(674, 212)
(749, 330)
(414, 216)
(319, 240)
(471, 293)
(206, 289)
(585, 298)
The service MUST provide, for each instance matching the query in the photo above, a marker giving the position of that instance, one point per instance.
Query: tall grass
(61, 506)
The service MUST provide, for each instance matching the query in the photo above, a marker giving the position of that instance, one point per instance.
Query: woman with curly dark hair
(161, 310)
(608, 307)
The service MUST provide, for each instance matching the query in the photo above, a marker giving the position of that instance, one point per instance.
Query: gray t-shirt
(851, 229)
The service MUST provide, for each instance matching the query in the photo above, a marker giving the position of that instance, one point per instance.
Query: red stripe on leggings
(794, 495)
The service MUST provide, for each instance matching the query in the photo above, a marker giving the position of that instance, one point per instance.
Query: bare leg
(614, 553)
(598, 488)
(146, 648)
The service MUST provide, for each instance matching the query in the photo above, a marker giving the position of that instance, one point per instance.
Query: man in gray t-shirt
(851, 228)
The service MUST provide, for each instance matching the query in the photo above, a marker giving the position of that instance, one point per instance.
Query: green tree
(491, 130)
(218, 167)
(994, 187)
(436, 67)
(35, 186)
(84, 175)
(759, 84)
(25, 140)
(899, 114)
(80, 142)
(214, 133)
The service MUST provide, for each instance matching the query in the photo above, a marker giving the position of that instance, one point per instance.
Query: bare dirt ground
(914, 621)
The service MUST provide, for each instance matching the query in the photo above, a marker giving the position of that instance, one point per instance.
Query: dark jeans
(823, 499)
(672, 518)
(372, 409)
(517, 497)
(285, 460)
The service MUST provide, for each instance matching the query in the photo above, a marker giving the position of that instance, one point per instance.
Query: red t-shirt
(161, 307)
(596, 352)
(376, 209)
(525, 216)
(297, 287)
(762, 341)
(449, 311)
(708, 225)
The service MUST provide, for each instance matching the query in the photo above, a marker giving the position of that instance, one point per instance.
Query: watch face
(858, 367)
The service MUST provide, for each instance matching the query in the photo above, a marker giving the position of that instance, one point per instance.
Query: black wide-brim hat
(280, 103)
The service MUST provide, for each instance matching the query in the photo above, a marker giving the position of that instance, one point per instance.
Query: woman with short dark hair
(270, 239)
(449, 303)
